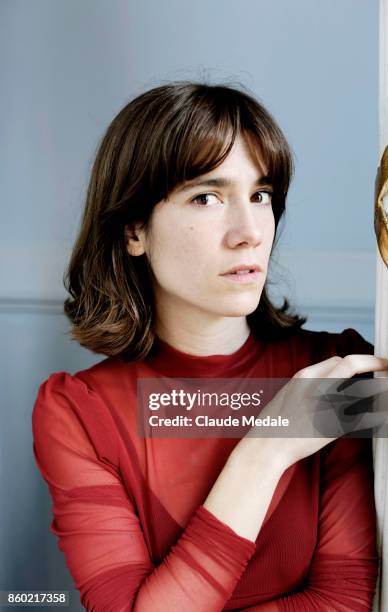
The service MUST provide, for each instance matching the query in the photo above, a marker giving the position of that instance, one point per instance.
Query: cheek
(191, 254)
(177, 250)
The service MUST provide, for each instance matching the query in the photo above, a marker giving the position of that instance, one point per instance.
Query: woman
(168, 279)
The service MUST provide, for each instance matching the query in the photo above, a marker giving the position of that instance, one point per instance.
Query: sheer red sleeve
(97, 526)
(344, 569)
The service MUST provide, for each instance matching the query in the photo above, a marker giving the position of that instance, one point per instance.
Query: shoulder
(304, 347)
(316, 346)
(61, 388)
(66, 388)
(67, 405)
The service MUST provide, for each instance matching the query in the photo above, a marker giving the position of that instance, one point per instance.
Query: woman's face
(203, 231)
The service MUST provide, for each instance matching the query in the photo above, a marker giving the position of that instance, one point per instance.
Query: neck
(202, 334)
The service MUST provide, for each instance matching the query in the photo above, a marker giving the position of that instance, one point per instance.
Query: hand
(314, 404)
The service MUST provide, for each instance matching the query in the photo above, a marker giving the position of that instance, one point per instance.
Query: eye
(265, 197)
(202, 199)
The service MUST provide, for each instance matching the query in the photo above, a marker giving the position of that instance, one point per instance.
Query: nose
(244, 226)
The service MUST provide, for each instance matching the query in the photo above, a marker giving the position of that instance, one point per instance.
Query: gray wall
(66, 69)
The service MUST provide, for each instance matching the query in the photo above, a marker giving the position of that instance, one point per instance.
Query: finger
(355, 389)
(319, 370)
(336, 415)
(362, 388)
(358, 364)
(338, 426)
(370, 420)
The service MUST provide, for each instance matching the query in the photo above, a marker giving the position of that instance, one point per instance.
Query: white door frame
(380, 445)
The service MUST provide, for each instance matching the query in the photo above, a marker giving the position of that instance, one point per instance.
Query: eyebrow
(221, 182)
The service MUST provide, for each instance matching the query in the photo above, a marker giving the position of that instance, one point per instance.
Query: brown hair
(165, 136)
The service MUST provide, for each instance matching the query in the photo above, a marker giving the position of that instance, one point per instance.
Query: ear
(134, 240)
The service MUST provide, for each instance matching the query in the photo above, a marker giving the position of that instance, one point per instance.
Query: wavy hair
(162, 138)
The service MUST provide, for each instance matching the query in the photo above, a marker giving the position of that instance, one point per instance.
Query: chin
(239, 309)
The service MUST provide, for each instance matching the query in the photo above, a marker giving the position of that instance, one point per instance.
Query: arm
(344, 568)
(100, 533)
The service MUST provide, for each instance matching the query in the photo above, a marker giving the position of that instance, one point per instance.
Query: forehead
(244, 158)
(245, 152)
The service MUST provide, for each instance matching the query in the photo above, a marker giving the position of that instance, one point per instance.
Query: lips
(243, 269)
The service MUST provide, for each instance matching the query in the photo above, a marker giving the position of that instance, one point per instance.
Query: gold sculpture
(381, 211)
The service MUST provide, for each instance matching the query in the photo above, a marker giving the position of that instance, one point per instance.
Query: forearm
(239, 499)
(308, 600)
(354, 596)
(198, 574)
(243, 491)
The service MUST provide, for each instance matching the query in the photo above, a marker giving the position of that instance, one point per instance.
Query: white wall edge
(380, 445)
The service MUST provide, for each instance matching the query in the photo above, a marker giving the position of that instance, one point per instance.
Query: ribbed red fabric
(128, 512)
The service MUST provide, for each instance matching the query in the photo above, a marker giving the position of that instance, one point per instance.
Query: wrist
(263, 453)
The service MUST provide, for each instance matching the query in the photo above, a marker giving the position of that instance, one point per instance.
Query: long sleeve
(344, 569)
(97, 525)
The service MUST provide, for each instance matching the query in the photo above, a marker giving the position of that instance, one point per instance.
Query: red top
(128, 511)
